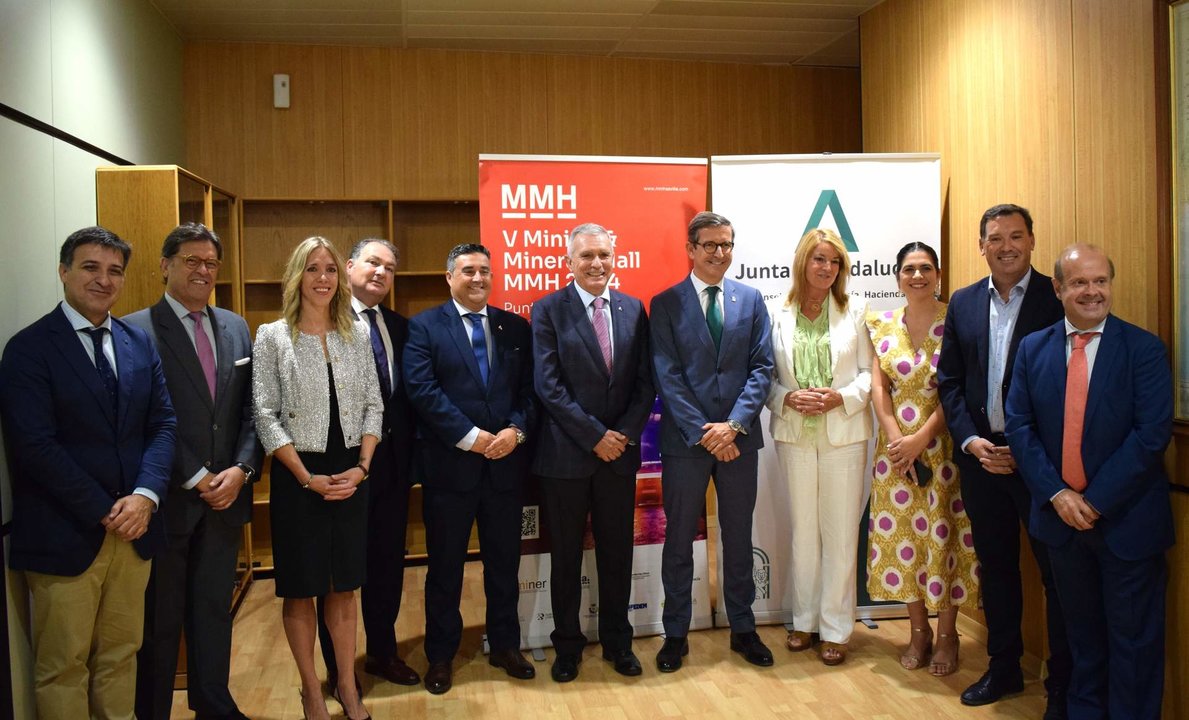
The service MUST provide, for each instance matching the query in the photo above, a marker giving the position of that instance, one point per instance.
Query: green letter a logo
(829, 199)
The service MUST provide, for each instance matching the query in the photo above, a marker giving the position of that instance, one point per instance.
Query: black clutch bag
(923, 473)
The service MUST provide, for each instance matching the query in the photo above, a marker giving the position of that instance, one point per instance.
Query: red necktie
(1077, 381)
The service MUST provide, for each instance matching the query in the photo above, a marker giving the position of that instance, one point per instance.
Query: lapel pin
(732, 298)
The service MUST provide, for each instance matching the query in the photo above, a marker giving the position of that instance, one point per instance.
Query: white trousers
(825, 505)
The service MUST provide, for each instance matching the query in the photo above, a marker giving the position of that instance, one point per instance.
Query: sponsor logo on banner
(531, 586)
(538, 202)
(761, 571)
(828, 199)
(637, 606)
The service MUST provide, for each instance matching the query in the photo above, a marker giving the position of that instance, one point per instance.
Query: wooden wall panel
(1115, 146)
(409, 124)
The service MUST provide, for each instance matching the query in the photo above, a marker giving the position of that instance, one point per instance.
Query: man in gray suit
(712, 355)
(206, 354)
(593, 376)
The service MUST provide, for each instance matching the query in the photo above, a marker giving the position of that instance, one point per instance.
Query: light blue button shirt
(1002, 324)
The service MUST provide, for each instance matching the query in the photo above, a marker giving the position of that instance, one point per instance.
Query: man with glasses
(206, 354)
(712, 358)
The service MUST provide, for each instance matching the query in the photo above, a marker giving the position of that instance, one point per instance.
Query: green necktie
(714, 317)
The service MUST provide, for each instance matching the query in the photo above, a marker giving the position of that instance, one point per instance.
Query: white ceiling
(799, 32)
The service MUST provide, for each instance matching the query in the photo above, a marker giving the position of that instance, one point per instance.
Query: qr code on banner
(530, 522)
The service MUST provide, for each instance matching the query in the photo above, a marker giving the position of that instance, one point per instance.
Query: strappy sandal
(910, 659)
(833, 653)
(799, 640)
(941, 669)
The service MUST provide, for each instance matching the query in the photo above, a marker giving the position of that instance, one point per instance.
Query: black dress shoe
(752, 649)
(1057, 707)
(625, 662)
(669, 658)
(990, 687)
(439, 677)
(513, 663)
(565, 668)
(392, 669)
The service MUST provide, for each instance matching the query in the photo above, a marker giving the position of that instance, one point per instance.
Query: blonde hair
(805, 248)
(340, 304)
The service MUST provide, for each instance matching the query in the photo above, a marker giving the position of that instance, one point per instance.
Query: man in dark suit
(370, 272)
(983, 329)
(90, 432)
(206, 354)
(1093, 458)
(469, 372)
(712, 357)
(593, 377)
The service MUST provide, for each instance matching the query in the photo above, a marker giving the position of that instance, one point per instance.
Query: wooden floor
(715, 683)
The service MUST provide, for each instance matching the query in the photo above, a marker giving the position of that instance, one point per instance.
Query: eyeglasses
(193, 261)
(711, 248)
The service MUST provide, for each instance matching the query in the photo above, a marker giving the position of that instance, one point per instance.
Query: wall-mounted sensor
(280, 91)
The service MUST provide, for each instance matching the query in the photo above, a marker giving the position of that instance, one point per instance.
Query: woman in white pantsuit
(821, 422)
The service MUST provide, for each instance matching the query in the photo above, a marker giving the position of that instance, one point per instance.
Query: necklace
(814, 305)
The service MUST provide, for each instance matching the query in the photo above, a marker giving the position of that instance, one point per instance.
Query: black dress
(318, 545)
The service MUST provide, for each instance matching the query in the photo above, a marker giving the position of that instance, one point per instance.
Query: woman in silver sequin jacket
(318, 411)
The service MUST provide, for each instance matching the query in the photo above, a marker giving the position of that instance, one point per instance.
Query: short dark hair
(190, 232)
(357, 248)
(93, 235)
(915, 246)
(464, 249)
(998, 211)
(705, 220)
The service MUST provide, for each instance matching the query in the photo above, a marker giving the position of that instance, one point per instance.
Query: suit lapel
(1106, 362)
(457, 330)
(621, 324)
(691, 308)
(225, 362)
(175, 340)
(982, 327)
(66, 339)
(124, 364)
(398, 343)
(1024, 320)
(838, 316)
(732, 321)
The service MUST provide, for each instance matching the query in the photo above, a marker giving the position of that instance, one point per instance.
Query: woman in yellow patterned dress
(921, 551)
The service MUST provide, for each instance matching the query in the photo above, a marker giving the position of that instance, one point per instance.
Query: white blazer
(850, 355)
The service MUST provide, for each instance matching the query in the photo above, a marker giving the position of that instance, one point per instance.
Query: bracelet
(365, 472)
(306, 484)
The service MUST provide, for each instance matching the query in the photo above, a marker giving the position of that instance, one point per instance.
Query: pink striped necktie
(206, 354)
(601, 332)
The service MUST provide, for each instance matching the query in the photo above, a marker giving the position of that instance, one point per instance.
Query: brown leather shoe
(439, 678)
(513, 663)
(833, 653)
(799, 640)
(392, 669)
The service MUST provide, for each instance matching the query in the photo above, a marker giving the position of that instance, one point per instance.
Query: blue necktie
(106, 374)
(479, 343)
(381, 355)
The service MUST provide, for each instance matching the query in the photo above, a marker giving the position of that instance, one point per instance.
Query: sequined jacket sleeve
(290, 384)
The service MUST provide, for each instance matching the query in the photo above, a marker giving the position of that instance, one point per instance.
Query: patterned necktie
(206, 354)
(380, 354)
(601, 332)
(479, 343)
(106, 373)
(714, 316)
(1077, 381)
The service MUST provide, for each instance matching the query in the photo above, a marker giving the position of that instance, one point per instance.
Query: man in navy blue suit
(593, 377)
(91, 433)
(1089, 416)
(712, 358)
(469, 371)
(983, 328)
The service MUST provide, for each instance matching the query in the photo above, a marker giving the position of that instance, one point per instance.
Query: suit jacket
(445, 388)
(850, 366)
(290, 381)
(580, 398)
(212, 435)
(396, 447)
(71, 459)
(1127, 428)
(699, 384)
(962, 367)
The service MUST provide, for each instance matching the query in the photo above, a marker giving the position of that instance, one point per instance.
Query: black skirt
(318, 545)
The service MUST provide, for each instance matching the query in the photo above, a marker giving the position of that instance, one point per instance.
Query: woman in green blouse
(821, 423)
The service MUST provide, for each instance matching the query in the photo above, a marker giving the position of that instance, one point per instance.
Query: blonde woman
(821, 423)
(318, 411)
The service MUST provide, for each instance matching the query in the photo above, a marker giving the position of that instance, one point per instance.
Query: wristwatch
(521, 436)
(248, 471)
(736, 426)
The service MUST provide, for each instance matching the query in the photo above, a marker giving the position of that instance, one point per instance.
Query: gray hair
(357, 249)
(587, 229)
